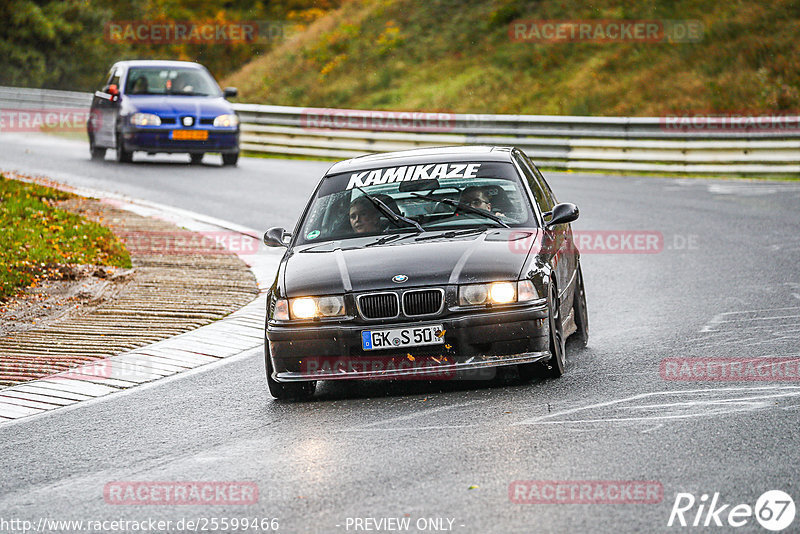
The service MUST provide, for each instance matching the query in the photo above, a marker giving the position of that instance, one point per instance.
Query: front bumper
(472, 343)
(159, 140)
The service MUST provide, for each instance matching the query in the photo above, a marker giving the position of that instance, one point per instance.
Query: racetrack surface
(376, 450)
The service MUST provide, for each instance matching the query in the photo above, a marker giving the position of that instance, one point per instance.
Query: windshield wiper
(383, 240)
(465, 207)
(386, 210)
(450, 234)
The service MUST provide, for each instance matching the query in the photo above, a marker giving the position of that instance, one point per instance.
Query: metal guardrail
(649, 144)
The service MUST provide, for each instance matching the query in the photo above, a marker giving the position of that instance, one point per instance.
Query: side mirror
(113, 90)
(274, 237)
(230, 92)
(562, 214)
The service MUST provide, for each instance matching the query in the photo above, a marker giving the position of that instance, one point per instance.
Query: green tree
(52, 44)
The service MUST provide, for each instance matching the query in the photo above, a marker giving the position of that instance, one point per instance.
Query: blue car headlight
(226, 121)
(145, 119)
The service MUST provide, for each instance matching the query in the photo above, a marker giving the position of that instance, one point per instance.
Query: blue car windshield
(433, 195)
(170, 81)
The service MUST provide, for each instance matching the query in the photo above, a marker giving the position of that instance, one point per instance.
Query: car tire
(98, 153)
(286, 390)
(196, 158)
(580, 311)
(123, 156)
(554, 367)
(230, 159)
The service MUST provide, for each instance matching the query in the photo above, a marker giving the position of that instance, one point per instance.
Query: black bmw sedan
(437, 263)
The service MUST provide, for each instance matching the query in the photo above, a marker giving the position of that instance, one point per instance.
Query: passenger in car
(364, 217)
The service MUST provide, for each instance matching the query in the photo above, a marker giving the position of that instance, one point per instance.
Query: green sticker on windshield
(313, 234)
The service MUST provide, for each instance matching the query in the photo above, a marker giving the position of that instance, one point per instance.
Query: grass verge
(37, 239)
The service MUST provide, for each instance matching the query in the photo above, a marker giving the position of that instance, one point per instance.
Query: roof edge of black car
(443, 154)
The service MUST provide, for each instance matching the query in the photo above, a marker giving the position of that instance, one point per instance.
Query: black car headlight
(305, 308)
(497, 293)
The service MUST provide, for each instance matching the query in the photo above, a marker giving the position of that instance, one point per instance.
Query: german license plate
(190, 135)
(413, 336)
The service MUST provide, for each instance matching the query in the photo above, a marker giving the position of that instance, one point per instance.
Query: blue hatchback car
(163, 106)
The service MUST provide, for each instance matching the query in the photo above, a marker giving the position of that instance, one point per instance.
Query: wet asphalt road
(725, 284)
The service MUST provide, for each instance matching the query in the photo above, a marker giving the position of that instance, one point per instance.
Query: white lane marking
(790, 391)
(742, 190)
(403, 429)
(760, 310)
(647, 431)
(768, 318)
(714, 320)
(726, 317)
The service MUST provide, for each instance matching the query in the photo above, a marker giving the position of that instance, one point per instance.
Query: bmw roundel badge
(399, 278)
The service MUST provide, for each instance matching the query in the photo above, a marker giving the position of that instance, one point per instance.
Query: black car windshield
(438, 196)
(170, 81)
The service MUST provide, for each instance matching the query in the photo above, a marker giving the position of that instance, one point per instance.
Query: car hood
(198, 106)
(335, 267)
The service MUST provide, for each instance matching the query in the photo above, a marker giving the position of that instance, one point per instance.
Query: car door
(556, 241)
(104, 109)
(570, 253)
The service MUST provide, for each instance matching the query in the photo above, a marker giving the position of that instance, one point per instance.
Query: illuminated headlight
(496, 293)
(226, 121)
(502, 292)
(145, 119)
(312, 307)
(304, 308)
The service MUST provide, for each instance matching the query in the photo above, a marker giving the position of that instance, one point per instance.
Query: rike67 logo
(774, 510)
